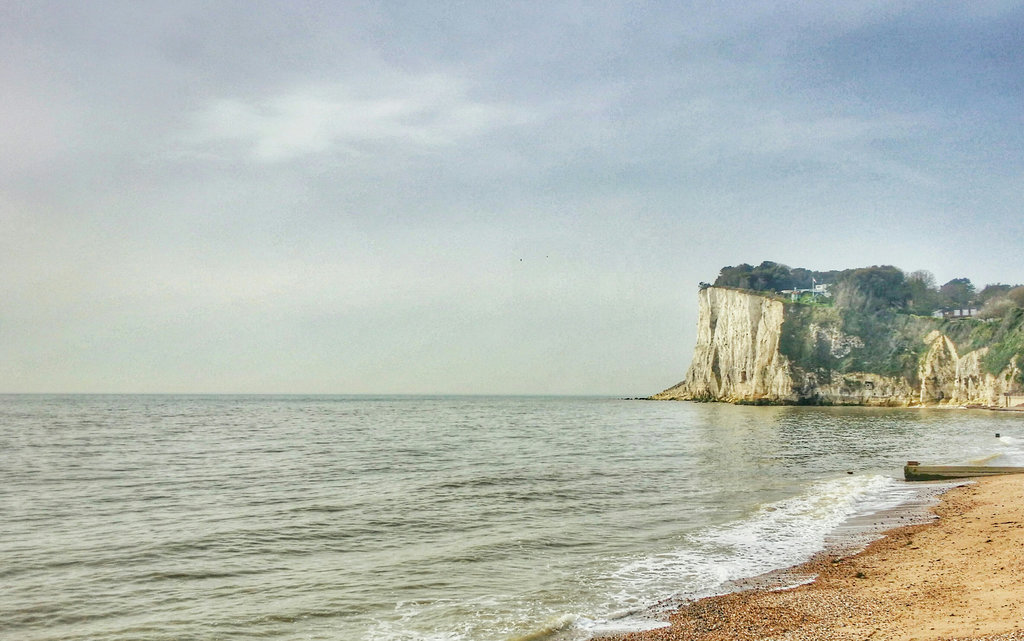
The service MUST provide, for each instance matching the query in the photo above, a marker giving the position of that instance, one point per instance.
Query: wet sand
(958, 577)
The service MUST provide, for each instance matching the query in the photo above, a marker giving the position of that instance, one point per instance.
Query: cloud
(484, 198)
(781, 128)
(423, 111)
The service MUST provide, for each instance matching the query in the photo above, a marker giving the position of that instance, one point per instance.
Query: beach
(960, 576)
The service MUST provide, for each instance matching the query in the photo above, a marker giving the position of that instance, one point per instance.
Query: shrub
(996, 308)
(1016, 295)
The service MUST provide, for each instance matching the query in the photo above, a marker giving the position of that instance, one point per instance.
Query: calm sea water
(411, 518)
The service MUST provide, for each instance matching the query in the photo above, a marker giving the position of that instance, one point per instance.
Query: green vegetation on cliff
(1004, 338)
(877, 287)
(874, 319)
(833, 339)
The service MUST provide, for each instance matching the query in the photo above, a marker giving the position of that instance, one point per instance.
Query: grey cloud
(477, 197)
(426, 111)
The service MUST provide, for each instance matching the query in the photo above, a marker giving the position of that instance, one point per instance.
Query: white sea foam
(777, 536)
(1011, 451)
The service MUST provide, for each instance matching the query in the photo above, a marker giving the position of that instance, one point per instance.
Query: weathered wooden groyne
(914, 471)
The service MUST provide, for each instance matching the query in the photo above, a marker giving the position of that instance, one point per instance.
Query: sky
(473, 197)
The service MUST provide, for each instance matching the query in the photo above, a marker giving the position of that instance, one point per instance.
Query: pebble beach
(960, 576)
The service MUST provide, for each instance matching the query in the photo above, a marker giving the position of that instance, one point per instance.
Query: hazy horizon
(384, 198)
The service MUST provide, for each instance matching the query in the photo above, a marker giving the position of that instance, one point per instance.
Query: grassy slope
(889, 343)
(1004, 337)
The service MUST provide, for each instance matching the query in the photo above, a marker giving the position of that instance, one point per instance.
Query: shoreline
(884, 405)
(956, 577)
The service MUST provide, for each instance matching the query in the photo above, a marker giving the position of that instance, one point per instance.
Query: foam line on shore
(958, 576)
(767, 550)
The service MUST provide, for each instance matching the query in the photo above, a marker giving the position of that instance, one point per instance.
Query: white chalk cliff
(738, 359)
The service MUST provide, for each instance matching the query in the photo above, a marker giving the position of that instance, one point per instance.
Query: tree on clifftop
(958, 292)
(923, 294)
(873, 289)
(766, 277)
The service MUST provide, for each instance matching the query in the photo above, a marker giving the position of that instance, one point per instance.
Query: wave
(776, 536)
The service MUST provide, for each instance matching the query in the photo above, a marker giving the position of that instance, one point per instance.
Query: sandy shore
(959, 577)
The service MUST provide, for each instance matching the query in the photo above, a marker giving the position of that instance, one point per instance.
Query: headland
(857, 340)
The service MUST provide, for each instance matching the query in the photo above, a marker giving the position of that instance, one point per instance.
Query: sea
(414, 518)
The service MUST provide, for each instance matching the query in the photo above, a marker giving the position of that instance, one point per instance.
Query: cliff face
(737, 356)
(740, 357)
(948, 377)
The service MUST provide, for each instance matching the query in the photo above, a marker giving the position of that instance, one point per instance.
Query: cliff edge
(753, 348)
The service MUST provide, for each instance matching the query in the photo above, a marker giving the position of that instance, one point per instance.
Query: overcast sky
(473, 197)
